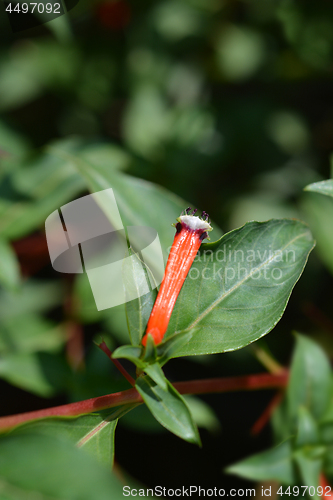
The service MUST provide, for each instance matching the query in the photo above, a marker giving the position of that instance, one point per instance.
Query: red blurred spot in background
(114, 15)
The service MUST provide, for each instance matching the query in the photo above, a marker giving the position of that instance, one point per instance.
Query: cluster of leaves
(303, 423)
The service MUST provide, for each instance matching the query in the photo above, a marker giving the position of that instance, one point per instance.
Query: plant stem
(266, 359)
(131, 396)
(117, 363)
(266, 414)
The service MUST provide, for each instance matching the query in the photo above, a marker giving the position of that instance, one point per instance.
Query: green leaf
(93, 433)
(280, 422)
(171, 345)
(47, 467)
(169, 409)
(239, 286)
(32, 297)
(141, 420)
(310, 379)
(31, 333)
(9, 268)
(139, 309)
(49, 181)
(26, 371)
(45, 173)
(150, 351)
(130, 352)
(274, 464)
(307, 429)
(155, 372)
(309, 464)
(202, 414)
(323, 187)
(319, 212)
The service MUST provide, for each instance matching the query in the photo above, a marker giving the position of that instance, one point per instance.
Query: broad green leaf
(50, 181)
(239, 286)
(9, 268)
(323, 187)
(139, 309)
(319, 213)
(105, 157)
(24, 370)
(32, 297)
(274, 464)
(93, 433)
(45, 173)
(30, 333)
(46, 467)
(169, 409)
(307, 429)
(310, 379)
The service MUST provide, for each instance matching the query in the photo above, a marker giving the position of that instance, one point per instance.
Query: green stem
(131, 396)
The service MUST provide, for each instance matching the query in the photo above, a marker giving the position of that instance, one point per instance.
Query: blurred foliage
(227, 104)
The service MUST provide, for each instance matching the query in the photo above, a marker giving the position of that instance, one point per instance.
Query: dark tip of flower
(188, 210)
(178, 227)
(194, 211)
(203, 236)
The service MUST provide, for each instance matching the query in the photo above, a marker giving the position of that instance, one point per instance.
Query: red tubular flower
(191, 230)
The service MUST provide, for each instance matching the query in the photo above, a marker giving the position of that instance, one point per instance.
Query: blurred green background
(226, 103)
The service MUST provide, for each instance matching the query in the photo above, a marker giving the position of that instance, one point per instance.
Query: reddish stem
(229, 384)
(131, 396)
(117, 363)
(75, 345)
(266, 414)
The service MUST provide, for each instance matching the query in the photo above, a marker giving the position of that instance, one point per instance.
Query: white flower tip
(194, 222)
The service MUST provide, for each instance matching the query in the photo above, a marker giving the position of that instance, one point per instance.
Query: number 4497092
(322, 491)
(31, 7)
